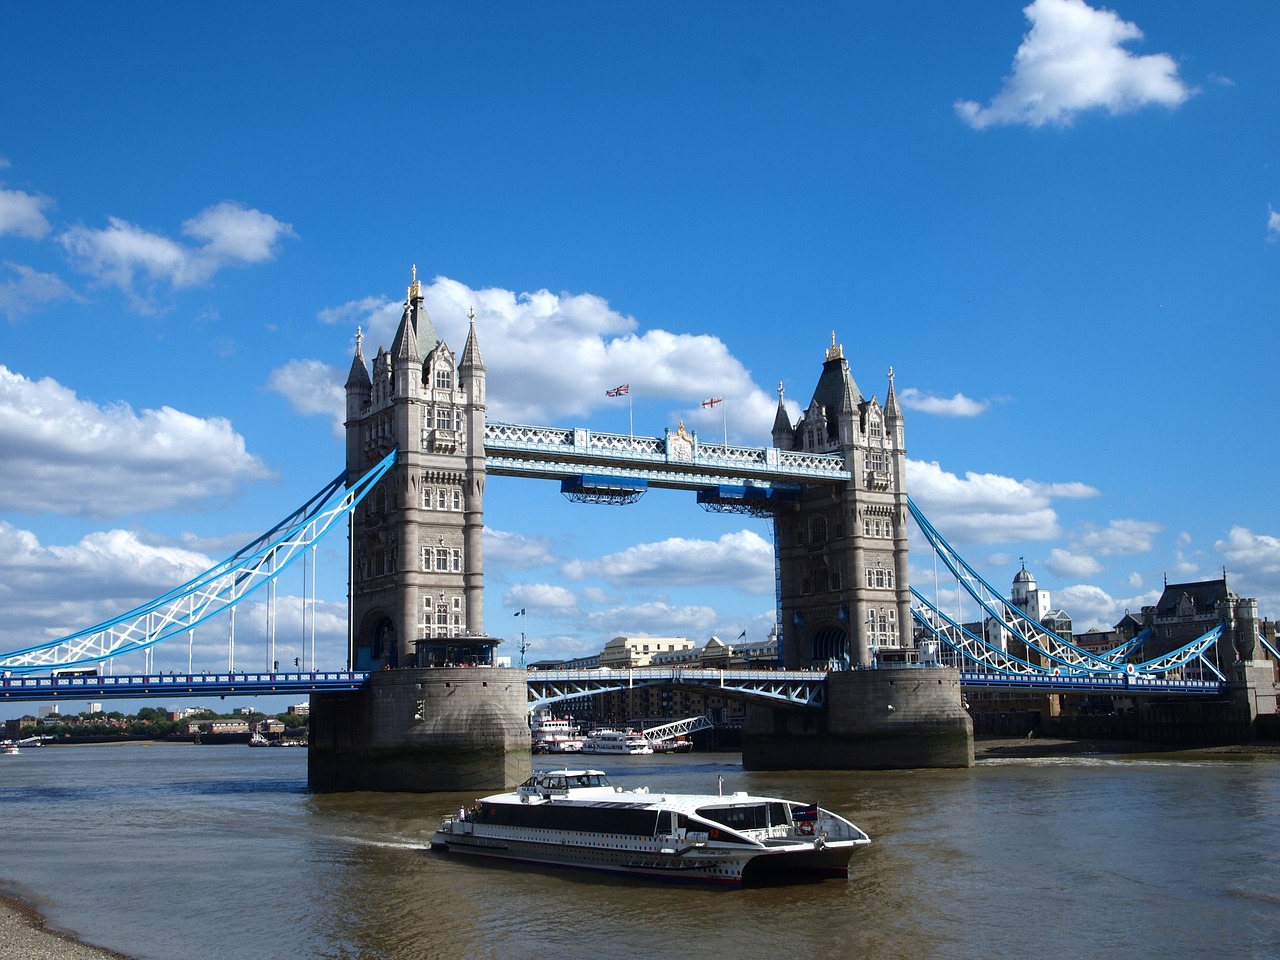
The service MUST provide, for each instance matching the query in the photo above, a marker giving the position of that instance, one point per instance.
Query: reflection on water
(194, 852)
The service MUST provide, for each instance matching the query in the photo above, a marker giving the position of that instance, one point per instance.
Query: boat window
(743, 817)
(604, 818)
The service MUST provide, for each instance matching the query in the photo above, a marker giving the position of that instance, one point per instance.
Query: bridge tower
(845, 601)
(438, 715)
(417, 563)
(846, 598)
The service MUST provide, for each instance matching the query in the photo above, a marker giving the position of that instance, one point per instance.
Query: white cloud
(1253, 561)
(531, 341)
(30, 291)
(540, 597)
(69, 456)
(1092, 607)
(1063, 563)
(985, 507)
(1073, 60)
(742, 559)
(312, 387)
(1273, 224)
(47, 592)
(654, 619)
(956, 406)
(506, 550)
(122, 254)
(1119, 538)
(22, 214)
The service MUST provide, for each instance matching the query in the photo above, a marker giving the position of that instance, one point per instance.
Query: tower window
(444, 379)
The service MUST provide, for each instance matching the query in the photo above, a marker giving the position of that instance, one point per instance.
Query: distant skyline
(1056, 222)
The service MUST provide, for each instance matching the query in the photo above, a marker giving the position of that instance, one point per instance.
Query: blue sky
(1057, 223)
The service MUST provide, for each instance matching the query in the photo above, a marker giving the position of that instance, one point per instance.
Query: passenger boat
(576, 818)
(9, 748)
(555, 735)
(616, 741)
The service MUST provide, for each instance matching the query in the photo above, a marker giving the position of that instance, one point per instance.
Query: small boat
(616, 741)
(554, 734)
(672, 745)
(576, 818)
(258, 740)
(9, 749)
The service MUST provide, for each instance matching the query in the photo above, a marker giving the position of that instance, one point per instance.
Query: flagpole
(724, 414)
(631, 416)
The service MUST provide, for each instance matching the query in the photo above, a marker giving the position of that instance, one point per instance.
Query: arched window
(818, 530)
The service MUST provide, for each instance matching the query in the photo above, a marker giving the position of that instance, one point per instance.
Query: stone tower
(846, 599)
(417, 578)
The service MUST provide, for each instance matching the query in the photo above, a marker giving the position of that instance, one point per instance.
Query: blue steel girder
(1066, 656)
(554, 453)
(803, 688)
(218, 589)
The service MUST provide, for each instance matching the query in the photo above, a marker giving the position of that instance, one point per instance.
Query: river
(179, 852)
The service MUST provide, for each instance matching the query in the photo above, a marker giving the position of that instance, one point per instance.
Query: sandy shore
(23, 936)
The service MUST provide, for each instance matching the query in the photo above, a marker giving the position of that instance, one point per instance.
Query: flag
(519, 613)
(621, 391)
(742, 634)
(807, 814)
(713, 401)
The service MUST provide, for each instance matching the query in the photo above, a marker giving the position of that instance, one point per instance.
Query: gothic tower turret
(417, 591)
(846, 597)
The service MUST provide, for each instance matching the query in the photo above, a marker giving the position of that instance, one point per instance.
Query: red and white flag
(713, 401)
(621, 391)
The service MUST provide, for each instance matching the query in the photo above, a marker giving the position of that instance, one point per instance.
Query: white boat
(616, 741)
(555, 734)
(576, 818)
(9, 749)
(258, 740)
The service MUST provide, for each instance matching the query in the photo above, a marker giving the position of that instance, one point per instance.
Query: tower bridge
(876, 662)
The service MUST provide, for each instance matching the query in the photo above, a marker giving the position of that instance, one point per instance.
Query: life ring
(806, 828)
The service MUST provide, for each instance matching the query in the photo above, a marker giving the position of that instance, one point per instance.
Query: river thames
(179, 852)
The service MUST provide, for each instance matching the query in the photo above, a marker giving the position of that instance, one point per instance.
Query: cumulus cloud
(743, 559)
(655, 619)
(503, 549)
(125, 255)
(986, 507)
(540, 597)
(22, 214)
(1253, 560)
(1273, 224)
(312, 387)
(956, 406)
(1073, 59)
(1119, 537)
(1064, 563)
(70, 456)
(49, 591)
(30, 291)
(530, 340)
(1091, 607)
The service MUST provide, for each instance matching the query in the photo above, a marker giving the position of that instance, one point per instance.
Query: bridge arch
(828, 644)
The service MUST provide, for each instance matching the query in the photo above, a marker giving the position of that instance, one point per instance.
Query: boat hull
(721, 866)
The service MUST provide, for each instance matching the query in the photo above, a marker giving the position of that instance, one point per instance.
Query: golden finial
(835, 352)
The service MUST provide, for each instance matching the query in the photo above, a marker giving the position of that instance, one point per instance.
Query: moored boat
(555, 734)
(616, 741)
(576, 818)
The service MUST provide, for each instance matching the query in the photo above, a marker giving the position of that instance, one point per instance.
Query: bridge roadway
(805, 688)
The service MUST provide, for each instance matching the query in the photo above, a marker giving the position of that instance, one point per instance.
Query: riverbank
(1031, 748)
(24, 936)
